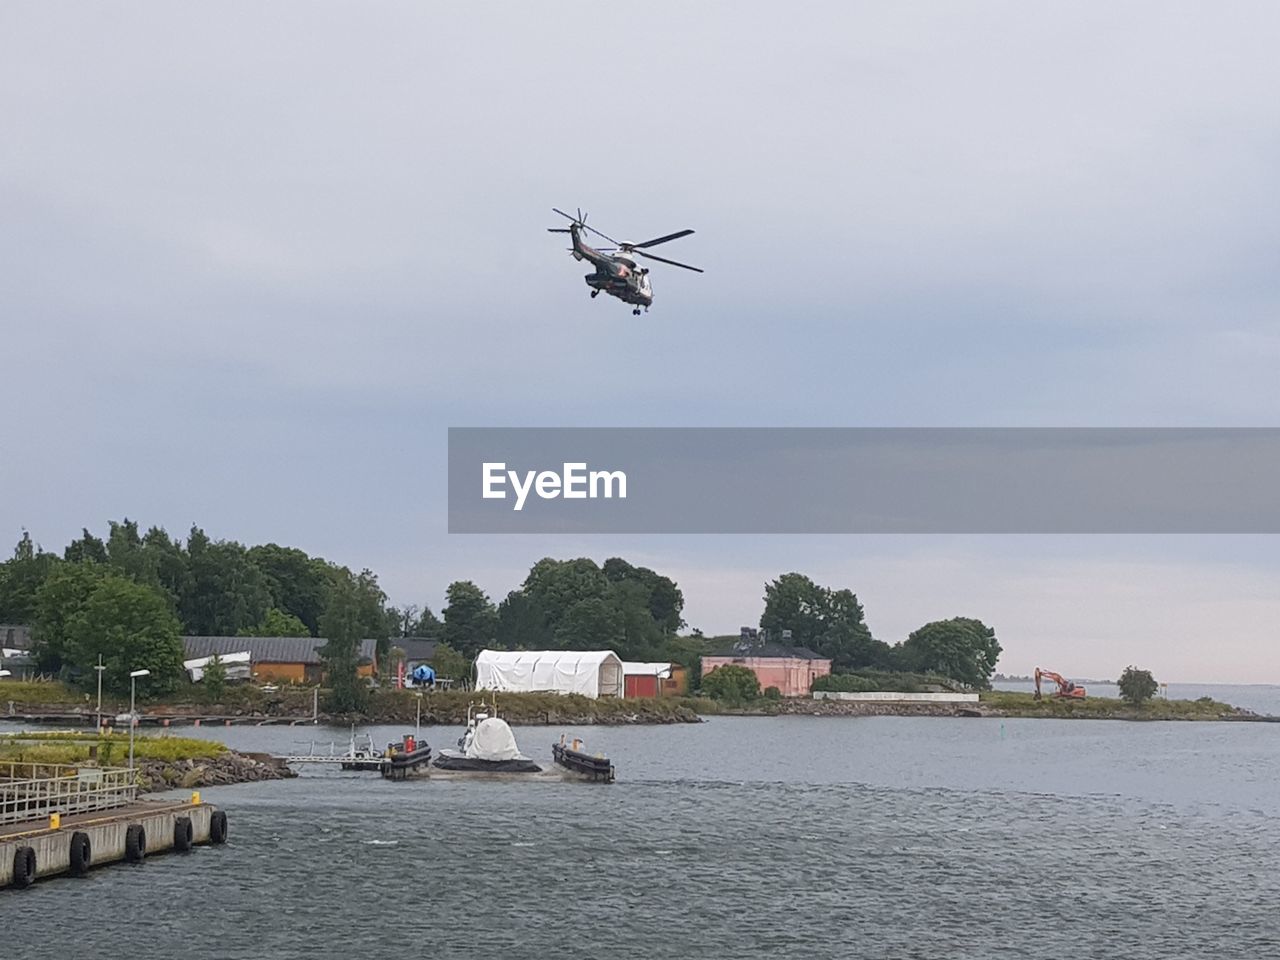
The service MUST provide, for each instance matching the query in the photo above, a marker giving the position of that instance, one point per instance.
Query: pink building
(791, 669)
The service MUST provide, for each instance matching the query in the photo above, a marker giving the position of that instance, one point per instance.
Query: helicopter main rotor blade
(604, 236)
(674, 263)
(670, 236)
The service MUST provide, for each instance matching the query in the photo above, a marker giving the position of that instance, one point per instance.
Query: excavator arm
(1066, 689)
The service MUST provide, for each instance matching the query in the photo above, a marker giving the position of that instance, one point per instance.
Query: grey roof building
(416, 649)
(304, 650)
(15, 636)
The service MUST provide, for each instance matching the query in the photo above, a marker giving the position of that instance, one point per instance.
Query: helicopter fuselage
(615, 275)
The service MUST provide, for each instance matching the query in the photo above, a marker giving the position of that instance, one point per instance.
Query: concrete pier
(112, 836)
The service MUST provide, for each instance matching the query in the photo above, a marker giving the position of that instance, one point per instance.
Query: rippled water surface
(790, 837)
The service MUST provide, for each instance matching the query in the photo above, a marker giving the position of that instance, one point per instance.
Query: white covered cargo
(591, 673)
(236, 664)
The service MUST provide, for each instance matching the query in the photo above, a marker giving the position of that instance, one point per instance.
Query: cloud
(257, 259)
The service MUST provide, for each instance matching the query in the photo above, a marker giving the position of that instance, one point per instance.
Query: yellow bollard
(195, 797)
(55, 821)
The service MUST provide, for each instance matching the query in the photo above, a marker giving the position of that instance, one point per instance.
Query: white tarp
(634, 668)
(492, 739)
(237, 665)
(591, 673)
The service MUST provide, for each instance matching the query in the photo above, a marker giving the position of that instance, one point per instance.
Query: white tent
(592, 673)
(237, 665)
(634, 668)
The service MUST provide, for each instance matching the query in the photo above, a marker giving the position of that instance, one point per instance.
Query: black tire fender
(135, 843)
(183, 834)
(24, 867)
(80, 855)
(218, 827)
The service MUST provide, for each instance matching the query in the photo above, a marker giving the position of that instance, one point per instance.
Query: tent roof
(584, 658)
(634, 668)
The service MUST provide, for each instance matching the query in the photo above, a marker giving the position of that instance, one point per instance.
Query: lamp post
(133, 715)
(417, 724)
(99, 668)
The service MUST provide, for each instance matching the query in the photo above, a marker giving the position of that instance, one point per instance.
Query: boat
(404, 758)
(572, 756)
(487, 746)
(361, 754)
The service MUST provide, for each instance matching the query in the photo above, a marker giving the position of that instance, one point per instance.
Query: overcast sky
(255, 259)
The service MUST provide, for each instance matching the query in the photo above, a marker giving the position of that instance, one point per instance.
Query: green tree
(215, 679)
(1137, 686)
(732, 684)
(21, 578)
(962, 649)
(277, 623)
(88, 549)
(639, 634)
(662, 595)
(167, 564)
(829, 622)
(521, 624)
(575, 604)
(299, 583)
(449, 663)
(470, 619)
(341, 626)
(794, 602)
(591, 624)
(131, 627)
(226, 592)
(427, 625)
(374, 619)
(59, 601)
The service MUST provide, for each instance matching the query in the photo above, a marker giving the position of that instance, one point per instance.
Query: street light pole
(99, 668)
(417, 725)
(133, 715)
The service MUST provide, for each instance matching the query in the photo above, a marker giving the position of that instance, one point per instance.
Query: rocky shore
(158, 775)
(848, 708)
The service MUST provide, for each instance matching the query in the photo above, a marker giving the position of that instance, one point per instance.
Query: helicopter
(616, 270)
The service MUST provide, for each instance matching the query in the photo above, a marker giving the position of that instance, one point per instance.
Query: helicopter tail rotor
(581, 221)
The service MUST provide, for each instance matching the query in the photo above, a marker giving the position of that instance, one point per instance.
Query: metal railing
(32, 791)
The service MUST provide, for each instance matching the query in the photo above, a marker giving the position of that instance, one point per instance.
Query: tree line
(131, 596)
(831, 623)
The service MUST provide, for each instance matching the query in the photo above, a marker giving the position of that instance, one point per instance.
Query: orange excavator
(1066, 689)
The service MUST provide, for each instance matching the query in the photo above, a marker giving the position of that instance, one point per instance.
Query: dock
(91, 719)
(60, 819)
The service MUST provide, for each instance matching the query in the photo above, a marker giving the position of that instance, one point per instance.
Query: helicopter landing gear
(635, 312)
(594, 294)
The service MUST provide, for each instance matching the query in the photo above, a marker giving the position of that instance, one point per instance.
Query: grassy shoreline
(162, 762)
(528, 709)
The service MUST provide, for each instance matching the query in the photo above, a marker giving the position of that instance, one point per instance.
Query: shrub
(772, 693)
(844, 683)
(731, 683)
